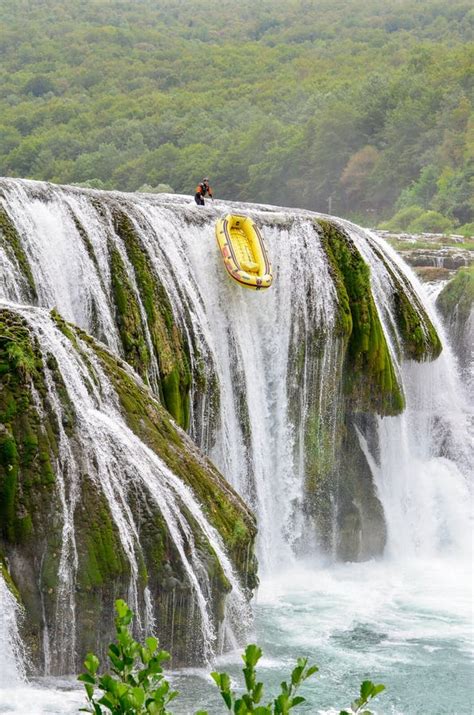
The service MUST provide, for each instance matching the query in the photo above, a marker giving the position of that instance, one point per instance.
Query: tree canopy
(364, 107)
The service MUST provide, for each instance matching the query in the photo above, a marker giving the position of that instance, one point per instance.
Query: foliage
(128, 690)
(432, 222)
(368, 691)
(457, 297)
(283, 703)
(138, 686)
(466, 230)
(402, 219)
(288, 102)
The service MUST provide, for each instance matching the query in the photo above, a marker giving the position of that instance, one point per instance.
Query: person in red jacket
(203, 189)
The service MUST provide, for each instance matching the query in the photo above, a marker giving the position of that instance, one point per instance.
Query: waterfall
(424, 462)
(266, 379)
(241, 340)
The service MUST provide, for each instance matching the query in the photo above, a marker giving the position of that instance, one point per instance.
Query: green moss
(101, 556)
(168, 343)
(49, 575)
(344, 324)
(175, 397)
(128, 316)
(370, 381)
(63, 326)
(10, 237)
(420, 341)
(8, 485)
(457, 297)
(27, 442)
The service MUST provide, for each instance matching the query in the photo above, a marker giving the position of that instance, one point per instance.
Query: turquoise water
(407, 625)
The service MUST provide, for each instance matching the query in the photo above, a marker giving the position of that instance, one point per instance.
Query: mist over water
(404, 619)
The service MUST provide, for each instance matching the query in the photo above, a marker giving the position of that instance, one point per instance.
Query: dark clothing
(203, 189)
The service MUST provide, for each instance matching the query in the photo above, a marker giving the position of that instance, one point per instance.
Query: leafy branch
(136, 684)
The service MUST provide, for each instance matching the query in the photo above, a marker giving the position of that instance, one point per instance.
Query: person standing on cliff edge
(203, 189)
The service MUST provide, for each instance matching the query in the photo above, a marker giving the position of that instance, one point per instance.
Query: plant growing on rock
(137, 685)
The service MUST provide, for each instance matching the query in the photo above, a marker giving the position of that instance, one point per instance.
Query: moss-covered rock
(456, 305)
(168, 343)
(128, 318)
(419, 338)
(457, 297)
(29, 447)
(370, 380)
(222, 506)
(12, 242)
(27, 440)
(101, 555)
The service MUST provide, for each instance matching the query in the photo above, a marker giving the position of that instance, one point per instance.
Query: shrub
(402, 219)
(466, 230)
(431, 221)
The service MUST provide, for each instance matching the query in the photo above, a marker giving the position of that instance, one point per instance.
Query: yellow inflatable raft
(244, 252)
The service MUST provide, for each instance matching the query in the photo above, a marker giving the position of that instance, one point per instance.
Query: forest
(359, 109)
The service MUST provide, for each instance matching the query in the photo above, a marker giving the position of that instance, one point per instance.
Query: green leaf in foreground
(136, 684)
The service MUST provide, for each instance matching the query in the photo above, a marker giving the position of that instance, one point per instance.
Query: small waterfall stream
(13, 667)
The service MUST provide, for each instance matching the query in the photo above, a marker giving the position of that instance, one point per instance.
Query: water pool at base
(407, 625)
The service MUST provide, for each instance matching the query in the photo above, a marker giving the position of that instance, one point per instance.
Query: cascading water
(425, 454)
(270, 362)
(11, 647)
(119, 462)
(242, 341)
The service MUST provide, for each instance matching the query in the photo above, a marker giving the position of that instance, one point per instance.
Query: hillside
(360, 109)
